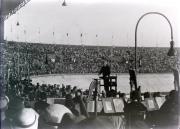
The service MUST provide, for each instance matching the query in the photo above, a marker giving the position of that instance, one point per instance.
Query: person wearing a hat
(135, 112)
(4, 100)
(167, 116)
(26, 118)
(55, 116)
(15, 104)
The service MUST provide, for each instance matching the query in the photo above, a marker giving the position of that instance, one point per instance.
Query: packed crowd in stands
(25, 105)
(56, 59)
(33, 92)
(18, 111)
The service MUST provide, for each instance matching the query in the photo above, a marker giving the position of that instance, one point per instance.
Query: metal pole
(96, 92)
(137, 28)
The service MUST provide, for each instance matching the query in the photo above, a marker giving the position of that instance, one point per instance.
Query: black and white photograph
(89, 64)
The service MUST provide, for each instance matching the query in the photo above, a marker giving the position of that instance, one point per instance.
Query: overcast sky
(101, 22)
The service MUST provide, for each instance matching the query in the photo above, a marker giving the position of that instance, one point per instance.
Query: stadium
(76, 65)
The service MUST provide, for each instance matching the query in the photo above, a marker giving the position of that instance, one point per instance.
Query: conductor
(105, 71)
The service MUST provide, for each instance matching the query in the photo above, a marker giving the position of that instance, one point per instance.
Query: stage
(148, 82)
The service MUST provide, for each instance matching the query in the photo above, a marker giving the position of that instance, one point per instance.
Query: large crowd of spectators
(24, 101)
(33, 92)
(24, 105)
(41, 59)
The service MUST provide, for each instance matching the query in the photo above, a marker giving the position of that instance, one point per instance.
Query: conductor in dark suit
(105, 71)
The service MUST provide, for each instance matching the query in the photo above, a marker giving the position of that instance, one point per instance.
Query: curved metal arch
(137, 28)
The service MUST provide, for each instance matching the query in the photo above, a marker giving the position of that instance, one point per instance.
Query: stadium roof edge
(10, 7)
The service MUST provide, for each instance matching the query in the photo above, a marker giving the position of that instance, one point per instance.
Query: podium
(112, 82)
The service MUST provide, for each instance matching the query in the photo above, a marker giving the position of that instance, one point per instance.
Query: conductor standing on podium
(105, 71)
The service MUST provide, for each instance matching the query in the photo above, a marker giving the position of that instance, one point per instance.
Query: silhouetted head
(135, 96)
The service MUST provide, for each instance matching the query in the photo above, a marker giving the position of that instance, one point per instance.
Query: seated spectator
(3, 107)
(40, 106)
(80, 105)
(54, 116)
(63, 90)
(147, 95)
(74, 89)
(157, 94)
(40, 93)
(69, 103)
(4, 100)
(167, 116)
(41, 102)
(14, 106)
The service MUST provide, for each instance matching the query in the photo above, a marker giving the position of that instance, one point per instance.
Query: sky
(101, 22)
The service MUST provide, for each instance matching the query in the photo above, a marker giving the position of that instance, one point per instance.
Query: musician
(105, 71)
